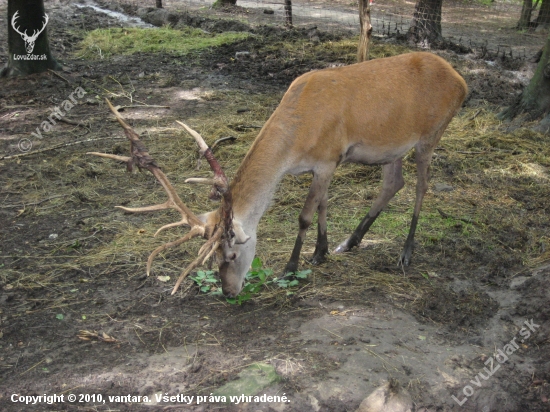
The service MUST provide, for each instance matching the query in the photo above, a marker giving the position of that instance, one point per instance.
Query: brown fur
(372, 113)
(381, 105)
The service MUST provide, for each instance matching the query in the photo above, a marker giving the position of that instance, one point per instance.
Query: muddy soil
(482, 310)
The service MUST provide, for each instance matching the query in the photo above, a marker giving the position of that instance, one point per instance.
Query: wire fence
(489, 28)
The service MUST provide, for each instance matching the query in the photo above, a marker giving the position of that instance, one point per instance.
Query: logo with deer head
(29, 40)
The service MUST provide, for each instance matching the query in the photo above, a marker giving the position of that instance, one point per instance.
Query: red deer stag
(370, 113)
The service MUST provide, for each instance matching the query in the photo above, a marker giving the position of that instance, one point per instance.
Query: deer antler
(143, 160)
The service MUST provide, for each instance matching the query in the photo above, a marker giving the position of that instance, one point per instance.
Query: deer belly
(376, 155)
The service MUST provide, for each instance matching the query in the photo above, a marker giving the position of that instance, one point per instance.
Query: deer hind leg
(392, 182)
(317, 199)
(423, 155)
(321, 247)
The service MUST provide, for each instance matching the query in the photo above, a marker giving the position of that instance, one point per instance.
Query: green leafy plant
(206, 281)
(255, 280)
(258, 277)
(286, 283)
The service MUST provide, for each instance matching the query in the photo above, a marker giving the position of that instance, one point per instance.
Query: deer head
(216, 227)
(29, 40)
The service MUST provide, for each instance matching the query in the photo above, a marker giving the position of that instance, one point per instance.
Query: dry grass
(498, 205)
(488, 168)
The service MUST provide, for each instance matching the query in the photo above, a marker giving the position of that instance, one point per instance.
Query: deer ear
(240, 236)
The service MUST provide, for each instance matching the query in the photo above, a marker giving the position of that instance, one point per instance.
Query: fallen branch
(31, 204)
(58, 146)
(58, 75)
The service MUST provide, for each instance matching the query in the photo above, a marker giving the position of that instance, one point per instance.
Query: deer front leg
(392, 182)
(316, 199)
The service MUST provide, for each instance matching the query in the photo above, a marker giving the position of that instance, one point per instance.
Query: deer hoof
(318, 259)
(405, 259)
(343, 247)
(290, 269)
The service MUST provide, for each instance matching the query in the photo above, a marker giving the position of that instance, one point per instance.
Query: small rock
(251, 381)
(53, 236)
(142, 74)
(315, 39)
(389, 397)
(242, 55)
(443, 187)
(505, 316)
(476, 341)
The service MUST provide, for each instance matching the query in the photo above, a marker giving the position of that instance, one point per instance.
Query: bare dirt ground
(70, 261)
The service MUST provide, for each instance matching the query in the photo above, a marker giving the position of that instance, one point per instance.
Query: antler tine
(220, 182)
(143, 160)
(194, 232)
(205, 252)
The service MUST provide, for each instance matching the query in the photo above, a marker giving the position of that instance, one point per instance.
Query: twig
(476, 114)
(221, 140)
(143, 106)
(446, 216)
(18, 106)
(64, 120)
(335, 334)
(32, 367)
(58, 146)
(244, 126)
(58, 75)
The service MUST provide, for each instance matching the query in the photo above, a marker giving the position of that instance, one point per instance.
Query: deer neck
(255, 182)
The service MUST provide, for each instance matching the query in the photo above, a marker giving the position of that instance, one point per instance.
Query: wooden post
(288, 13)
(366, 31)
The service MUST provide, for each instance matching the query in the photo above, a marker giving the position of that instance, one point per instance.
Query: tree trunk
(535, 98)
(525, 17)
(159, 4)
(288, 13)
(29, 49)
(366, 31)
(425, 28)
(543, 18)
(224, 3)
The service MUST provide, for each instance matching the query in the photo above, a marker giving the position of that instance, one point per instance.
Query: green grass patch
(103, 43)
